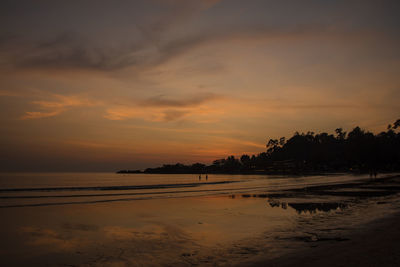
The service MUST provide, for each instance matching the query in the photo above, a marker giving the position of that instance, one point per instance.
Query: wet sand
(374, 244)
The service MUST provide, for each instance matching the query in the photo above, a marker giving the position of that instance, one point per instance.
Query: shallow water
(141, 220)
(38, 189)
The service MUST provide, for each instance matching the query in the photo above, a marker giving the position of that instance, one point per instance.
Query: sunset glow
(135, 84)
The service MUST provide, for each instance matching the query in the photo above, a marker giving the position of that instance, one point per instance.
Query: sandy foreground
(374, 244)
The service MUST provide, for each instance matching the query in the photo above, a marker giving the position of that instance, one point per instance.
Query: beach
(107, 220)
(373, 244)
(180, 133)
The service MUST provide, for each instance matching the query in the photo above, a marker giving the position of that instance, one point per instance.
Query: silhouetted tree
(358, 150)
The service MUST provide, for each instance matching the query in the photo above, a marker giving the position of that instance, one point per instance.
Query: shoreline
(294, 174)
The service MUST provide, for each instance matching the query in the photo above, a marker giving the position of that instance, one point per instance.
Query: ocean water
(39, 189)
(106, 219)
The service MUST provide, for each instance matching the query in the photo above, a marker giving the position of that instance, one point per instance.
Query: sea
(41, 189)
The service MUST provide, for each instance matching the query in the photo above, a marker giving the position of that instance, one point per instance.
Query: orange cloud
(148, 114)
(160, 108)
(40, 114)
(57, 106)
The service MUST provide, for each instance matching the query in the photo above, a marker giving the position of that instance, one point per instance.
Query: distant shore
(279, 173)
(358, 151)
(295, 173)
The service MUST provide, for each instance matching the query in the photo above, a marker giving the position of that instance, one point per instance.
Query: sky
(109, 85)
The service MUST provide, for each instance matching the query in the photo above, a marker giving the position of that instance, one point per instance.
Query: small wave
(68, 203)
(43, 204)
(134, 194)
(116, 187)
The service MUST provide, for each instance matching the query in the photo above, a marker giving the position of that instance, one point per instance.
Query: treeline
(356, 151)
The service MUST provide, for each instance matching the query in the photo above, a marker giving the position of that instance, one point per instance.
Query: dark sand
(374, 244)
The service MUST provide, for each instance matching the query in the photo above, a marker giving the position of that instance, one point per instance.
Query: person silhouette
(199, 177)
(206, 177)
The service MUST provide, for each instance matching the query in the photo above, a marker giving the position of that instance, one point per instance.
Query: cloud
(147, 114)
(172, 115)
(162, 101)
(175, 12)
(41, 114)
(79, 49)
(161, 108)
(11, 93)
(58, 105)
(67, 51)
(157, 108)
(145, 34)
(71, 50)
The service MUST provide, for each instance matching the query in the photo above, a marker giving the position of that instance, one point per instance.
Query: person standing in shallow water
(206, 177)
(199, 177)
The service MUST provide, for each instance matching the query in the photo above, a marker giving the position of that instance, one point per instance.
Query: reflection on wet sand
(310, 207)
(110, 245)
(49, 238)
(157, 232)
